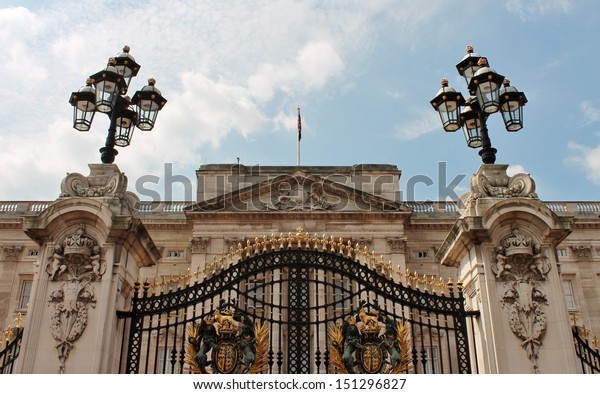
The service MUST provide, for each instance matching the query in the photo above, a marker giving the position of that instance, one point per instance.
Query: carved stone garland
(522, 266)
(75, 264)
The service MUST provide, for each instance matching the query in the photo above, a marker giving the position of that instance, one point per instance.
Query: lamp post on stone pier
(105, 92)
(490, 92)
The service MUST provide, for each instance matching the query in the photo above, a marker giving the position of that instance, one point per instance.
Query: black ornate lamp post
(106, 92)
(490, 92)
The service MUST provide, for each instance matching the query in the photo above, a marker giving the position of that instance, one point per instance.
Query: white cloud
(516, 169)
(591, 113)
(587, 158)
(427, 122)
(316, 63)
(527, 9)
(20, 30)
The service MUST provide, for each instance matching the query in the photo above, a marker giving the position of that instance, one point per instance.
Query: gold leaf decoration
(261, 333)
(193, 340)
(336, 339)
(404, 341)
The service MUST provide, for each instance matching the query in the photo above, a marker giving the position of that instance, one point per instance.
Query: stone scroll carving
(74, 265)
(492, 181)
(104, 181)
(522, 266)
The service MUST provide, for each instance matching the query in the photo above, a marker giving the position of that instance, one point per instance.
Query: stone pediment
(298, 192)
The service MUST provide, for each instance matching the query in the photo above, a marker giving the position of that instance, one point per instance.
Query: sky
(362, 72)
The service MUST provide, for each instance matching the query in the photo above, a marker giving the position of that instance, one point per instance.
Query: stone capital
(199, 244)
(10, 252)
(397, 244)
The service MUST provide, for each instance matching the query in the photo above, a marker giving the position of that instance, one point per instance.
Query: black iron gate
(299, 288)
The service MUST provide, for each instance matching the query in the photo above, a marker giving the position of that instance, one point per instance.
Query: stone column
(91, 250)
(504, 246)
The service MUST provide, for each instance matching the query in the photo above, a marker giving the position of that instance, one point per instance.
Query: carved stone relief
(296, 197)
(11, 253)
(363, 242)
(523, 266)
(199, 244)
(74, 265)
(582, 252)
(397, 244)
(232, 244)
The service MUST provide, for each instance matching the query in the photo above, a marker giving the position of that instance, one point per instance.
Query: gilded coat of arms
(227, 342)
(369, 342)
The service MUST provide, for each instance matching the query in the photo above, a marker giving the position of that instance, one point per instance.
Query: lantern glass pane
(147, 111)
(448, 105)
(85, 105)
(487, 96)
(469, 72)
(472, 123)
(82, 119)
(106, 94)
(473, 138)
(450, 119)
(511, 105)
(513, 120)
(123, 136)
(123, 122)
(146, 120)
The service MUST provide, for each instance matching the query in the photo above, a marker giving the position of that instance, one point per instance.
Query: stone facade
(530, 267)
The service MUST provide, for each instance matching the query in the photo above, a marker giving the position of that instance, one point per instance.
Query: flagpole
(299, 138)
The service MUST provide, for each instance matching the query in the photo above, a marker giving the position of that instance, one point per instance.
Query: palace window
(431, 360)
(164, 364)
(562, 253)
(175, 254)
(420, 254)
(24, 294)
(569, 295)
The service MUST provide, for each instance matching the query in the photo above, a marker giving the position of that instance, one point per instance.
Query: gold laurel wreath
(336, 339)
(261, 333)
(193, 332)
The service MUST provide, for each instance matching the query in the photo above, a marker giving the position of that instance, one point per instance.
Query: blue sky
(363, 73)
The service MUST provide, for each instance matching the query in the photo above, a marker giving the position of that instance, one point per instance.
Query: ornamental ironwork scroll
(522, 266)
(370, 342)
(227, 342)
(75, 264)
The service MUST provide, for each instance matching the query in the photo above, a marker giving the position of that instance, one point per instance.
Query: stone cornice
(367, 216)
(464, 233)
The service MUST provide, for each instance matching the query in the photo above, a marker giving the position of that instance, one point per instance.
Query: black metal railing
(589, 357)
(9, 355)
